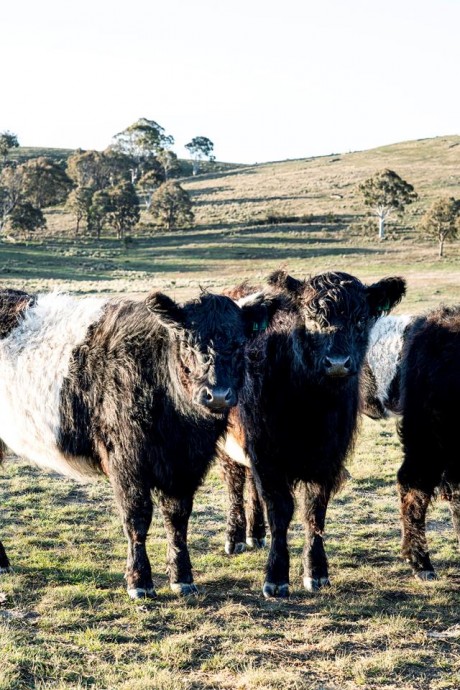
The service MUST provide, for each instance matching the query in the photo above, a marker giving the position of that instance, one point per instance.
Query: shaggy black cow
(139, 391)
(413, 370)
(297, 412)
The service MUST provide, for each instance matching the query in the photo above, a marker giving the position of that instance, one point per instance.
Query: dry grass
(65, 621)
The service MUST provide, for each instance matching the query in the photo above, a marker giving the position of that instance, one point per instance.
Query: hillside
(325, 185)
(305, 215)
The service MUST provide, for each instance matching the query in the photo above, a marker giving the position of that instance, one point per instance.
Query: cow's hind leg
(176, 513)
(4, 562)
(255, 518)
(135, 504)
(450, 491)
(234, 476)
(315, 567)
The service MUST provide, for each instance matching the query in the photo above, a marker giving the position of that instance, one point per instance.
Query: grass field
(65, 620)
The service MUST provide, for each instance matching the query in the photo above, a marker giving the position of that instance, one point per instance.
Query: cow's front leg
(135, 506)
(255, 518)
(176, 513)
(4, 562)
(280, 507)
(315, 570)
(234, 476)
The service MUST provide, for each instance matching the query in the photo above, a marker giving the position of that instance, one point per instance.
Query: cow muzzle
(217, 399)
(338, 367)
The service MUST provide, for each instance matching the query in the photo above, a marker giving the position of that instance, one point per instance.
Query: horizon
(268, 162)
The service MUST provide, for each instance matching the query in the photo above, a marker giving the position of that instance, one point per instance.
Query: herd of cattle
(271, 380)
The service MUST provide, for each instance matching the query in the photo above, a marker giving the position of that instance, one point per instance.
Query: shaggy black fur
(145, 401)
(12, 306)
(430, 404)
(298, 407)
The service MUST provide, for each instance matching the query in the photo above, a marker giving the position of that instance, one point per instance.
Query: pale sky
(263, 80)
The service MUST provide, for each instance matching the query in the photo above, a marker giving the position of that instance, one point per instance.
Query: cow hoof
(254, 543)
(232, 547)
(313, 584)
(6, 569)
(426, 575)
(271, 591)
(141, 593)
(184, 589)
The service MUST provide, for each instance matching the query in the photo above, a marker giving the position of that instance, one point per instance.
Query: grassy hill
(65, 620)
(304, 214)
(325, 186)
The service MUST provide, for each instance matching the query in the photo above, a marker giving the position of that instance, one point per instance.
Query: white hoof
(140, 593)
(270, 590)
(234, 547)
(312, 584)
(184, 589)
(426, 575)
(254, 543)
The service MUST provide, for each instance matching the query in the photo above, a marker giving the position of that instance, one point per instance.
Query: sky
(263, 80)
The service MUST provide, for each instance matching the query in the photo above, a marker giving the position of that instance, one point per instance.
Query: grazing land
(65, 619)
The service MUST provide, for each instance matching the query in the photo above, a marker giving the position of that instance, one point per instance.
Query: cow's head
(209, 333)
(336, 312)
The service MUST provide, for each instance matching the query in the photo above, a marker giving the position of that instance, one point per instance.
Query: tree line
(106, 190)
(102, 190)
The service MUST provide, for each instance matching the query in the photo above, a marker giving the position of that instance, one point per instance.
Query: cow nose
(337, 366)
(217, 399)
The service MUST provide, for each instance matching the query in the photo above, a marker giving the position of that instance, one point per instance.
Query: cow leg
(280, 507)
(450, 491)
(315, 569)
(135, 505)
(234, 476)
(418, 477)
(414, 504)
(255, 518)
(454, 505)
(4, 562)
(176, 513)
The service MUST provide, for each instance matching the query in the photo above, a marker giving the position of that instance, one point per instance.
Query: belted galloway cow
(297, 411)
(137, 390)
(413, 371)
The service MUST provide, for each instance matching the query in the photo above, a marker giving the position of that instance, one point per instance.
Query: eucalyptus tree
(172, 206)
(386, 193)
(8, 141)
(442, 221)
(200, 148)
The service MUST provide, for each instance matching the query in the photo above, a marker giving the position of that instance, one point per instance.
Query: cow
(297, 412)
(138, 391)
(413, 372)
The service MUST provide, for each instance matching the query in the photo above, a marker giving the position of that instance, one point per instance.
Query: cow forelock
(337, 321)
(330, 299)
(211, 351)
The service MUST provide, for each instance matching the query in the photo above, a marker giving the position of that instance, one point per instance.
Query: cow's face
(210, 333)
(337, 312)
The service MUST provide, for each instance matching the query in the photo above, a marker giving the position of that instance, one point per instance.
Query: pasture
(65, 619)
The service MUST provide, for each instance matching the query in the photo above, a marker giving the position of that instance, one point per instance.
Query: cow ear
(385, 294)
(168, 312)
(258, 311)
(282, 280)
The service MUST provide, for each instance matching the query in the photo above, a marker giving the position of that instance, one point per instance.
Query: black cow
(413, 370)
(297, 411)
(139, 391)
